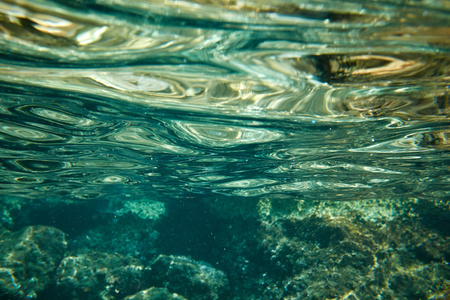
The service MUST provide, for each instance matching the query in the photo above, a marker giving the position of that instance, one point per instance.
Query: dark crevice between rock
(191, 229)
(73, 219)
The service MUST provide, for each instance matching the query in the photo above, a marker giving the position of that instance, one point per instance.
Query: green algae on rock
(155, 293)
(351, 249)
(145, 209)
(29, 259)
(192, 279)
(99, 275)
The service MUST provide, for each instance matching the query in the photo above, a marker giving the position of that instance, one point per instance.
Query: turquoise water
(246, 140)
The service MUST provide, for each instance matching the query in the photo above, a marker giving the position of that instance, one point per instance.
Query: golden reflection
(214, 135)
(392, 65)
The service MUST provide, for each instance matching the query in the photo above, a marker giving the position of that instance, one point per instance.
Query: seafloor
(226, 249)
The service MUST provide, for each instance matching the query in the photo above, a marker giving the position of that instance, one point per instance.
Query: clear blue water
(208, 119)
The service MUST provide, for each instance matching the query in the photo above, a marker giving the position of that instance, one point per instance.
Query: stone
(144, 209)
(155, 293)
(99, 275)
(195, 280)
(29, 259)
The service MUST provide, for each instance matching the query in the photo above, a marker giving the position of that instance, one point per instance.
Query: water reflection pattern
(319, 100)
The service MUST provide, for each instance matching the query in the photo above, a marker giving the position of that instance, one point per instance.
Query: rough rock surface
(98, 275)
(29, 259)
(344, 251)
(190, 278)
(155, 294)
(276, 249)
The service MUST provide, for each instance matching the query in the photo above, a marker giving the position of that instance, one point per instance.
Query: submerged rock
(29, 259)
(155, 294)
(144, 209)
(192, 279)
(98, 275)
(350, 250)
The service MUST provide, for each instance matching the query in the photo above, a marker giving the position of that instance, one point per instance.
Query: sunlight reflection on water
(339, 100)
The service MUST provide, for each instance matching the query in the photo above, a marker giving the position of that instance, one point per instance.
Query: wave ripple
(315, 100)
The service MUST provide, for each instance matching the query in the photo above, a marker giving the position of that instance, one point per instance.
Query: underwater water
(224, 149)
